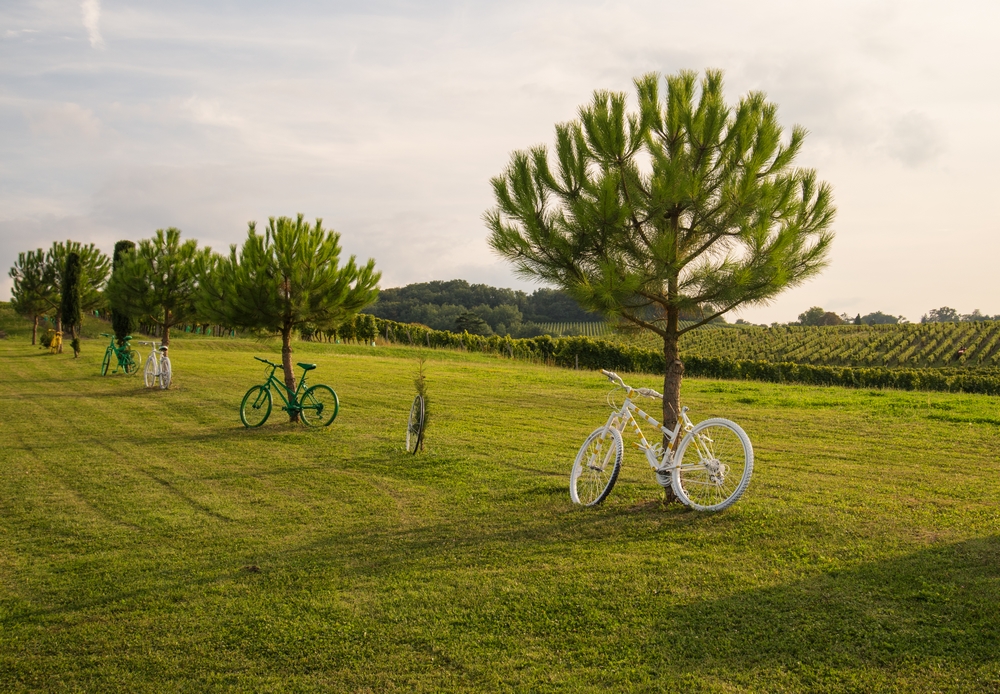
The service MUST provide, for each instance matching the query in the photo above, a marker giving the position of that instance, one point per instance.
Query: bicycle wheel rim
(256, 407)
(106, 363)
(319, 406)
(415, 425)
(165, 373)
(596, 467)
(131, 364)
(715, 462)
(149, 373)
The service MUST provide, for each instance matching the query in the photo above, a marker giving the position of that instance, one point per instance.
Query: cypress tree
(70, 305)
(121, 321)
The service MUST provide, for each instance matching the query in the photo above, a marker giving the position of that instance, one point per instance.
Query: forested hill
(447, 305)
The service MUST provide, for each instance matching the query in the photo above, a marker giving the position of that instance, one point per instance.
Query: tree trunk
(34, 331)
(672, 375)
(59, 329)
(166, 329)
(286, 364)
(73, 333)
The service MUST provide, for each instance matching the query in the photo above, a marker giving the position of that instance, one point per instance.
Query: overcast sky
(387, 119)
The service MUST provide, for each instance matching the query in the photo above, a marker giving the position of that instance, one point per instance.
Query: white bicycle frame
(660, 459)
(154, 347)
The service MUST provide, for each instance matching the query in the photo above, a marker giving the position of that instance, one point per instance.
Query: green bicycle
(317, 405)
(127, 358)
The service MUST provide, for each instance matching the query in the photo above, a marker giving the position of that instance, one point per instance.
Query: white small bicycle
(714, 475)
(157, 366)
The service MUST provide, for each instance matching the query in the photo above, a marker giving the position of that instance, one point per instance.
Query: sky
(388, 119)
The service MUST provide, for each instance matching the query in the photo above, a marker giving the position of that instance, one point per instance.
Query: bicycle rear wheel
(165, 372)
(319, 406)
(596, 467)
(149, 373)
(415, 427)
(131, 362)
(718, 466)
(256, 407)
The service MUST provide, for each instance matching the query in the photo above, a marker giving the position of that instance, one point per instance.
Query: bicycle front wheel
(107, 362)
(714, 464)
(596, 467)
(319, 406)
(415, 427)
(164, 372)
(131, 362)
(256, 407)
(149, 373)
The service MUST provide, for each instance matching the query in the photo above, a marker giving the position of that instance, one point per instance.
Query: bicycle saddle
(307, 367)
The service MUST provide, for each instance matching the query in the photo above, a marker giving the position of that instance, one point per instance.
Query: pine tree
(31, 296)
(284, 279)
(688, 206)
(157, 282)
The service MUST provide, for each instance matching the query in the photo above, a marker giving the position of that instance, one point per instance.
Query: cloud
(91, 21)
(915, 139)
(66, 120)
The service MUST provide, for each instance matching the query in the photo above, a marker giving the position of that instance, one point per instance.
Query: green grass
(148, 542)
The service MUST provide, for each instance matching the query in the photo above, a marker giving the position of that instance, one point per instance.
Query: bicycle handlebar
(270, 363)
(616, 379)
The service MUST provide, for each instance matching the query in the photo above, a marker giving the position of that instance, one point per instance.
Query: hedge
(591, 353)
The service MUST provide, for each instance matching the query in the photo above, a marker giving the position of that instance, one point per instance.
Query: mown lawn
(148, 542)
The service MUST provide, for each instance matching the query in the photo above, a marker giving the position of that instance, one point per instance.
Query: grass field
(148, 542)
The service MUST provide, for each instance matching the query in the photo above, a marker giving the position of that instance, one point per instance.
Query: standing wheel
(415, 427)
(149, 373)
(107, 362)
(131, 364)
(319, 406)
(256, 407)
(596, 467)
(164, 372)
(714, 464)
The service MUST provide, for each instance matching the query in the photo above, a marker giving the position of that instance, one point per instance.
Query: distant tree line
(478, 309)
(946, 314)
(817, 316)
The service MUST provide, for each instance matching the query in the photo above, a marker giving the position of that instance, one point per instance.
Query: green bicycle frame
(292, 401)
(122, 354)
(317, 405)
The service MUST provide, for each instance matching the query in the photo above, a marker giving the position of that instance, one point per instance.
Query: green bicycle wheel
(256, 407)
(107, 361)
(319, 406)
(131, 362)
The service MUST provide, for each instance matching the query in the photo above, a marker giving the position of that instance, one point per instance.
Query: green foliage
(818, 316)
(70, 302)
(590, 353)
(286, 279)
(94, 269)
(121, 321)
(32, 291)
(157, 282)
(879, 318)
(688, 206)
(507, 311)
(471, 322)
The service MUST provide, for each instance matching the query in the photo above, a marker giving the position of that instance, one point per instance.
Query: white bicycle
(709, 467)
(157, 366)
